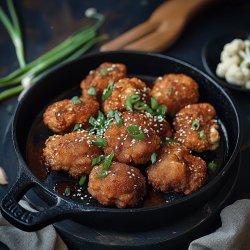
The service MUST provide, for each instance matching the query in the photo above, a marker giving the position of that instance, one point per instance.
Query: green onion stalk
(70, 49)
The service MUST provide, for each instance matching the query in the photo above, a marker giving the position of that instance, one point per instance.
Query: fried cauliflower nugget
(195, 127)
(123, 89)
(176, 169)
(175, 91)
(71, 152)
(124, 186)
(130, 150)
(61, 116)
(100, 78)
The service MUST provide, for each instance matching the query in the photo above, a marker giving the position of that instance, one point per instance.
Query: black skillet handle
(25, 219)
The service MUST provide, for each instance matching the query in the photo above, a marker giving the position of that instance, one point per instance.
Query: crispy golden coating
(175, 91)
(101, 77)
(124, 186)
(195, 127)
(123, 89)
(71, 152)
(176, 169)
(129, 150)
(61, 116)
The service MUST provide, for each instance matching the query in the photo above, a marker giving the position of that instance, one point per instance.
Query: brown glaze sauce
(153, 199)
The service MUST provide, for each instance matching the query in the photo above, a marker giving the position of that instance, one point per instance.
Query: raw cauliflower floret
(223, 67)
(248, 85)
(235, 75)
(235, 63)
(232, 49)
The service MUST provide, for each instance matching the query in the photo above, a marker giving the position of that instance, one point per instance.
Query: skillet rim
(212, 182)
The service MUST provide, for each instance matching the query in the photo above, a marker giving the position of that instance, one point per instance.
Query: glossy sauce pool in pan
(59, 180)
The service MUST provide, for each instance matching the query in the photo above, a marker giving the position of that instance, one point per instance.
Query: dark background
(46, 23)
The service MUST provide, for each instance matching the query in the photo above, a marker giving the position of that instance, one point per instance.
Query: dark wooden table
(45, 23)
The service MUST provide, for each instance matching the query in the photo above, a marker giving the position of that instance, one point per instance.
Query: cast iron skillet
(68, 77)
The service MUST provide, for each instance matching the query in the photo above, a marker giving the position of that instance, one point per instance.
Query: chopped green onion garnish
(67, 191)
(102, 174)
(108, 91)
(99, 125)
(212, 166)
(92, 121)
(202, 134)
(195, 124)
(104, 72)
(170, 90)
(143, 106)
(100, 117)
(117, 115)
(96, 160)
(76, 100)
(77, 127)
(161, 110)
(100, 142)
(135, 132)
(111, 113)
(105, 166)
(140, 106)
(92, 91)
(118, 119)
(167, 140)
(154, 103)
(107, 162)
(153, 158)
(131, 100)
(149, 110)
(82, 180)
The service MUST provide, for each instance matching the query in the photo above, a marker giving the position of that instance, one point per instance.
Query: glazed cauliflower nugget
(175, 91)
(71, 152)
(61, 116)
(129, 149)
(124, 186)
(176, 169)
(100, 78)
(123, 89)
(195, 127)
